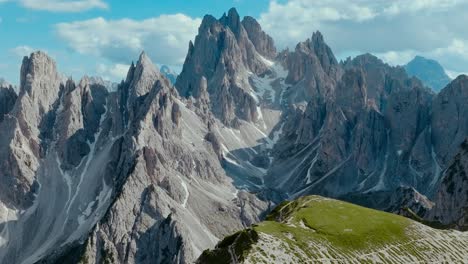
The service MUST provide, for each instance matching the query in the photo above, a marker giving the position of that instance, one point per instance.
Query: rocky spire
(232, 20)
(263, 43)
(224, 53)
(313, 69)
(324, 53)
(27, 131)
(144, 74)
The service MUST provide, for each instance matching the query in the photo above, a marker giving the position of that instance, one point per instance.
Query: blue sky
(102, 37)
(24, 29)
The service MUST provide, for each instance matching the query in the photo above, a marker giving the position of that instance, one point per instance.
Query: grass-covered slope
(314, 229)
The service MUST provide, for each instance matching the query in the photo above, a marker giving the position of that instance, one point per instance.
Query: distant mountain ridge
(429, 71)
(169, 73)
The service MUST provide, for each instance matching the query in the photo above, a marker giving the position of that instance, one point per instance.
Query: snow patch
(186, 190)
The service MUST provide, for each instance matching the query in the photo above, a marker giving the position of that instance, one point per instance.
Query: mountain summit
(429, 71)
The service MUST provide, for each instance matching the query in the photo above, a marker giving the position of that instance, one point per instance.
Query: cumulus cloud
(395, 30)
(164, 38)
(61, 5)
(22, 51)
(115, 72)
(402, 6)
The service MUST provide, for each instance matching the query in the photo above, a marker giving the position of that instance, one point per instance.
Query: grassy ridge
(345, 225)
(315, 229)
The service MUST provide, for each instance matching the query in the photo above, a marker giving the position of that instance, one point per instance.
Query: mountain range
(155, 172)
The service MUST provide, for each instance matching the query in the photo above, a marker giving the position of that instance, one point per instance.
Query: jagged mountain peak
(317, 37)
(313, 69)
(142, 76)
(145, 61)
(232, 20)
(35, 67)
(263, 43)
(226, 52)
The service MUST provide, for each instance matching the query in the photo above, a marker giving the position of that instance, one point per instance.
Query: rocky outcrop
(451, 209)
(408, 202)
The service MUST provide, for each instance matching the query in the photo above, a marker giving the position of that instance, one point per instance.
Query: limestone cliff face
(449, 123)
(365, 134)
(24, 130)
(451, 207)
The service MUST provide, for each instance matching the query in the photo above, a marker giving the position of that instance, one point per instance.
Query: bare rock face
(378, 77)
(8, 98)
(313, 70)
(407, 201)
(449, 125)
(451, 207)
(25, 131)
(351, 139)
(224, 54)
(164, 209)
(263, 43)
(79, 119)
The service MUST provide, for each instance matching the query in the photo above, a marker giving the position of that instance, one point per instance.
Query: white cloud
(61, 5)
(457, 48)
(116, 72)
(397, 57)
(22, 51)
(402, 6)
(455, 74)
(394, 30)
(164, 38)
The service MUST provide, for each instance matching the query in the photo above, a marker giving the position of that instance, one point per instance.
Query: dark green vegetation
(233, 246)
